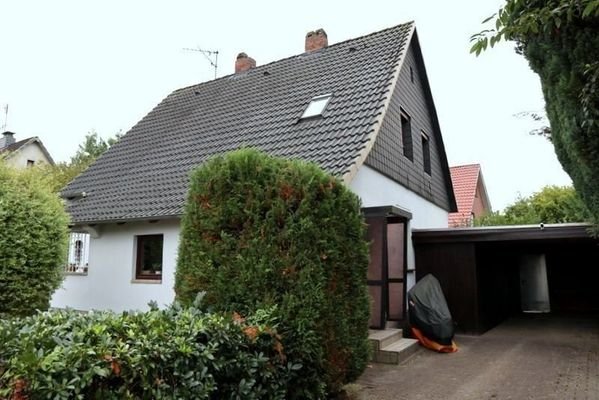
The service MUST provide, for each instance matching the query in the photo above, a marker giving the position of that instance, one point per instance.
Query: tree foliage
(262, 232)
(93, 146)
(560, 39)
(33, 241)
(552, 204)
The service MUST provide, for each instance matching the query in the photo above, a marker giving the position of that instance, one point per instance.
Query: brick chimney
(244, 63)
(316, 40)
(7, 139)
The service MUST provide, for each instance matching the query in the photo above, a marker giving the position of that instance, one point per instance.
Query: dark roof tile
(145, 174)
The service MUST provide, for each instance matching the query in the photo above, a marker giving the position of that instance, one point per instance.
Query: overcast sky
(69, 67)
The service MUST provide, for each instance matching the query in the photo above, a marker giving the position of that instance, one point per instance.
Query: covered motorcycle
(430, 319)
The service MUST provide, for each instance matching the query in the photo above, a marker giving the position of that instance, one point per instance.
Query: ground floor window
(78, 253)
(148, 264)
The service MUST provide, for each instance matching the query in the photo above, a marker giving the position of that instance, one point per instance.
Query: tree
(33, 241)
(93, 146)
(560, 39)
(552, 204)
(260, 232)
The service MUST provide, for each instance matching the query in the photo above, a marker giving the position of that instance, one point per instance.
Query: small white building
(23, 153)
(362, 109)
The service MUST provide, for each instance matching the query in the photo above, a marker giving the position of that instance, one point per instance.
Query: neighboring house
(30, 152)
(470, 194)
(362, 109)
(23, 153)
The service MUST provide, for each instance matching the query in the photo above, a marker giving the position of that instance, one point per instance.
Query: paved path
(528, 357)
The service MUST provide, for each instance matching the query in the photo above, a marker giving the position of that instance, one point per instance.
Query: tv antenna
(5, 117)
(210, 55)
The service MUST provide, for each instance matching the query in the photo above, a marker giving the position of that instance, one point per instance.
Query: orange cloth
(431, 344)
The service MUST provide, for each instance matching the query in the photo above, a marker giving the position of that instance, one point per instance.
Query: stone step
(396, 352)
(383, 338)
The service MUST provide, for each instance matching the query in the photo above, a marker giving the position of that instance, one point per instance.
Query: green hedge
(33, 241)
(178, 353)
(260, 231)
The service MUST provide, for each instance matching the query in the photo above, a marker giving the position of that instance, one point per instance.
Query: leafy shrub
(260, 231)
(178, 353)
(550, 205)
(33, 242)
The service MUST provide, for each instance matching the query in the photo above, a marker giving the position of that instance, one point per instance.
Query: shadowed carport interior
(479, 269)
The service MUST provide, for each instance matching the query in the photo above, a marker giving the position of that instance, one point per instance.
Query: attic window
(316, 106)
(406, 136)
(426, 153)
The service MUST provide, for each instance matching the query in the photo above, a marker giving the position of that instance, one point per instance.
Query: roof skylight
(316, 106)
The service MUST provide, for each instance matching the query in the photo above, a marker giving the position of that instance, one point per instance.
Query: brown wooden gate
(387, 233)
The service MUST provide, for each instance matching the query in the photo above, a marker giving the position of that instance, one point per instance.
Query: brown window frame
(426, 153)
(406, 135)
(139, 257)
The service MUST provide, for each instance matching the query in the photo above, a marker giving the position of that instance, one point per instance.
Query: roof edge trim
(376, 126)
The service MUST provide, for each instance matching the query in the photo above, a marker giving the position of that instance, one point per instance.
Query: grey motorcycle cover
(428, 311)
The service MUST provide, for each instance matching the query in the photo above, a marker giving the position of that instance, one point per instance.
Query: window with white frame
(316, 106)
(78, 253)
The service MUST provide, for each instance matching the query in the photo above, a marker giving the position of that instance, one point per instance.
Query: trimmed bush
(33, 242)
(160, 354)
(260, 231)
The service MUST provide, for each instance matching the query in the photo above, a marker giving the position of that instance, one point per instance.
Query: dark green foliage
(160, 354)
(60, 174)
(33, 241)
(551, 205)
(560, 39)
(259, 232)
(93, 147)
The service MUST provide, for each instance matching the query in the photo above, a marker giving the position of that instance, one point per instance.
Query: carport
(490, 273)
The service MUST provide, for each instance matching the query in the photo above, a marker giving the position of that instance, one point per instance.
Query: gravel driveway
(527, 357)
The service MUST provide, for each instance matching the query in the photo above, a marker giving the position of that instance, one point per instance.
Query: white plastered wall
(32, 151)
(109, 283)
(376, 190)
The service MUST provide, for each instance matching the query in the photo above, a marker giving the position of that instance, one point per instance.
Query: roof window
(316, 106)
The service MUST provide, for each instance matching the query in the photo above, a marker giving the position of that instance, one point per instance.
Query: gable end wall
(387, 153)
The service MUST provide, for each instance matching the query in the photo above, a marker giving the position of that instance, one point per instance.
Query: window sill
(150, 281)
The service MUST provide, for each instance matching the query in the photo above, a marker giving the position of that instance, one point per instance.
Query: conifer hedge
(261, 232)
(33, 242)
(560, 40)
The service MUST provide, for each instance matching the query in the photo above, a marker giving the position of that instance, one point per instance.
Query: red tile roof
(464, 179)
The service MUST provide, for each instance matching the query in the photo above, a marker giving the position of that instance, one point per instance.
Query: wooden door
(387, 269)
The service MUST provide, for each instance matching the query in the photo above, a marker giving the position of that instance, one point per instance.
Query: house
(23, 153)
(362, 109)
(470, 194)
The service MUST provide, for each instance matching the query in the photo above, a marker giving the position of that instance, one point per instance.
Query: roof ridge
(466, 165)
(258, 67)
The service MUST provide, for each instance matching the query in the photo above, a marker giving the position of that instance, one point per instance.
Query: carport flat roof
(502, 233)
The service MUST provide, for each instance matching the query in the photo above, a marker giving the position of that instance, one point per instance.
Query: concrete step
(397, 352)
(382, 338)
(390, 347)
